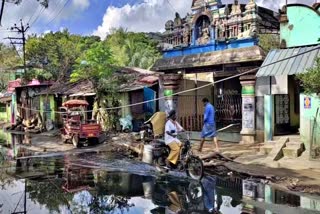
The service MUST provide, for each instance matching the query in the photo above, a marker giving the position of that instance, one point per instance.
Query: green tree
(95, 65)
(8, 60)
(49, 193)
(8, 57)
(311, 79)
(269, 41)
(56, 53)
(133, 49)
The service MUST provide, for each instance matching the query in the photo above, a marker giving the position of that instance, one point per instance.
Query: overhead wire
(60, 11)
(171, 6)
(37, 17)
(54, 9)
(189, 90)
(31, 17)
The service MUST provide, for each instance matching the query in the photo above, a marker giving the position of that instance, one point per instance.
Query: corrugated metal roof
(295, 65)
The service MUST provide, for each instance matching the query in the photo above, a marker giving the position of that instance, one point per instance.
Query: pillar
(13, 109)
(212, 34)
(42, 106)
(171, 83)
(193, 37)
(269, 196)
(248, 131)
(268, 117)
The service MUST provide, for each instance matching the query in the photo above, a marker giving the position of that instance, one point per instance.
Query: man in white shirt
(172, 129)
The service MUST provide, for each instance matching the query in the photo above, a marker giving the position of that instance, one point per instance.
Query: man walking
(209, 126)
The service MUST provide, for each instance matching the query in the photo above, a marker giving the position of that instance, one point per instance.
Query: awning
(80, 94)
(295, 65)
(229, 56)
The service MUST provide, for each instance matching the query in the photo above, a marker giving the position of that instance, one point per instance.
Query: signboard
(248, 106)
(307, 103)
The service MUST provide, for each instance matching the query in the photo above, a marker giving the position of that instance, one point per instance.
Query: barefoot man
(209, 126)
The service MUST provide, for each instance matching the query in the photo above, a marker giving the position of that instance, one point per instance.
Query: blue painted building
(219, 39)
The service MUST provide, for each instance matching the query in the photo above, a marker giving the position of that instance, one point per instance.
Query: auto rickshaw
(76, 127)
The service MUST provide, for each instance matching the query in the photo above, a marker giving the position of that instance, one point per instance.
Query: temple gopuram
(212, 42)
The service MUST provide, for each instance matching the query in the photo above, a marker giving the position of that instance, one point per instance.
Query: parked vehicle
(188, 163)
(77, 128)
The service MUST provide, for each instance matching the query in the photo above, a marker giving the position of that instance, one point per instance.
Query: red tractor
(77, 128)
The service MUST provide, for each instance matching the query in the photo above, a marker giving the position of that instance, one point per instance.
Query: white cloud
(82, 4)
(144, 17)
(151, 15)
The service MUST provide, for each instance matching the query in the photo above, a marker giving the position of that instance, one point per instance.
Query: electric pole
(22, 41)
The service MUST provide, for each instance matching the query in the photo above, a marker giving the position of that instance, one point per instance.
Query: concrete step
(294, 144)
(293, 138)
(266, 148)
(293, 149)
(276, 152)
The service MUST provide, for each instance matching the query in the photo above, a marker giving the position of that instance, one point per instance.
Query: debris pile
(33, 125)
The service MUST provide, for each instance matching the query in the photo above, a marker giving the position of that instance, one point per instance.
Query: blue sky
(96, 17)
(89, 19)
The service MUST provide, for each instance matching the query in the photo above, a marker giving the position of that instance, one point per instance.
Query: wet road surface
(108, 183)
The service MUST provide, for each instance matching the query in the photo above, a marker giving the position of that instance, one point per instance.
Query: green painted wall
(53, 108)
(44, 99)
(8, 112)
(307, 120)
(3, 112)
(303, 27)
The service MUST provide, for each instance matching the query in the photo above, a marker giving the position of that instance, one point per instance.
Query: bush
(311, 79)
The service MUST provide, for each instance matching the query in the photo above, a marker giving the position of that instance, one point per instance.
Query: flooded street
(105, 183)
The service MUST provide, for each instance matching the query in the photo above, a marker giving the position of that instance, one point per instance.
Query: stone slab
(276, 153)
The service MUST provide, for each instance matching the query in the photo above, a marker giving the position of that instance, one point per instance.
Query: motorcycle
(152, 133)
(187, 162)
(189, 195)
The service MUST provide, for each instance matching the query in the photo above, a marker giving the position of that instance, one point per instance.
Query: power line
(37, 17)
(33, 14)
(171, 6)
(65, 4)
(57, 5)
(190, 90)
(2, 9)
(23, 29)
(15, 48)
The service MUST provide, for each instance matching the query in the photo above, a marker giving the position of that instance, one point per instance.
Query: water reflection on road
(91, 183)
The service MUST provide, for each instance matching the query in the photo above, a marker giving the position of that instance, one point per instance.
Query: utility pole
(21, 30)
(1, 12)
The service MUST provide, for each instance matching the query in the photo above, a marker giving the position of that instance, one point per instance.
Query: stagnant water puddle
(108, 183)
(91, 183)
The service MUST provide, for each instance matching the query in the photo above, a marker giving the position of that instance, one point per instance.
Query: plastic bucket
(147, 154)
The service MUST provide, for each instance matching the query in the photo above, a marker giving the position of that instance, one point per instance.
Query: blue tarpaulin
(149, 94)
